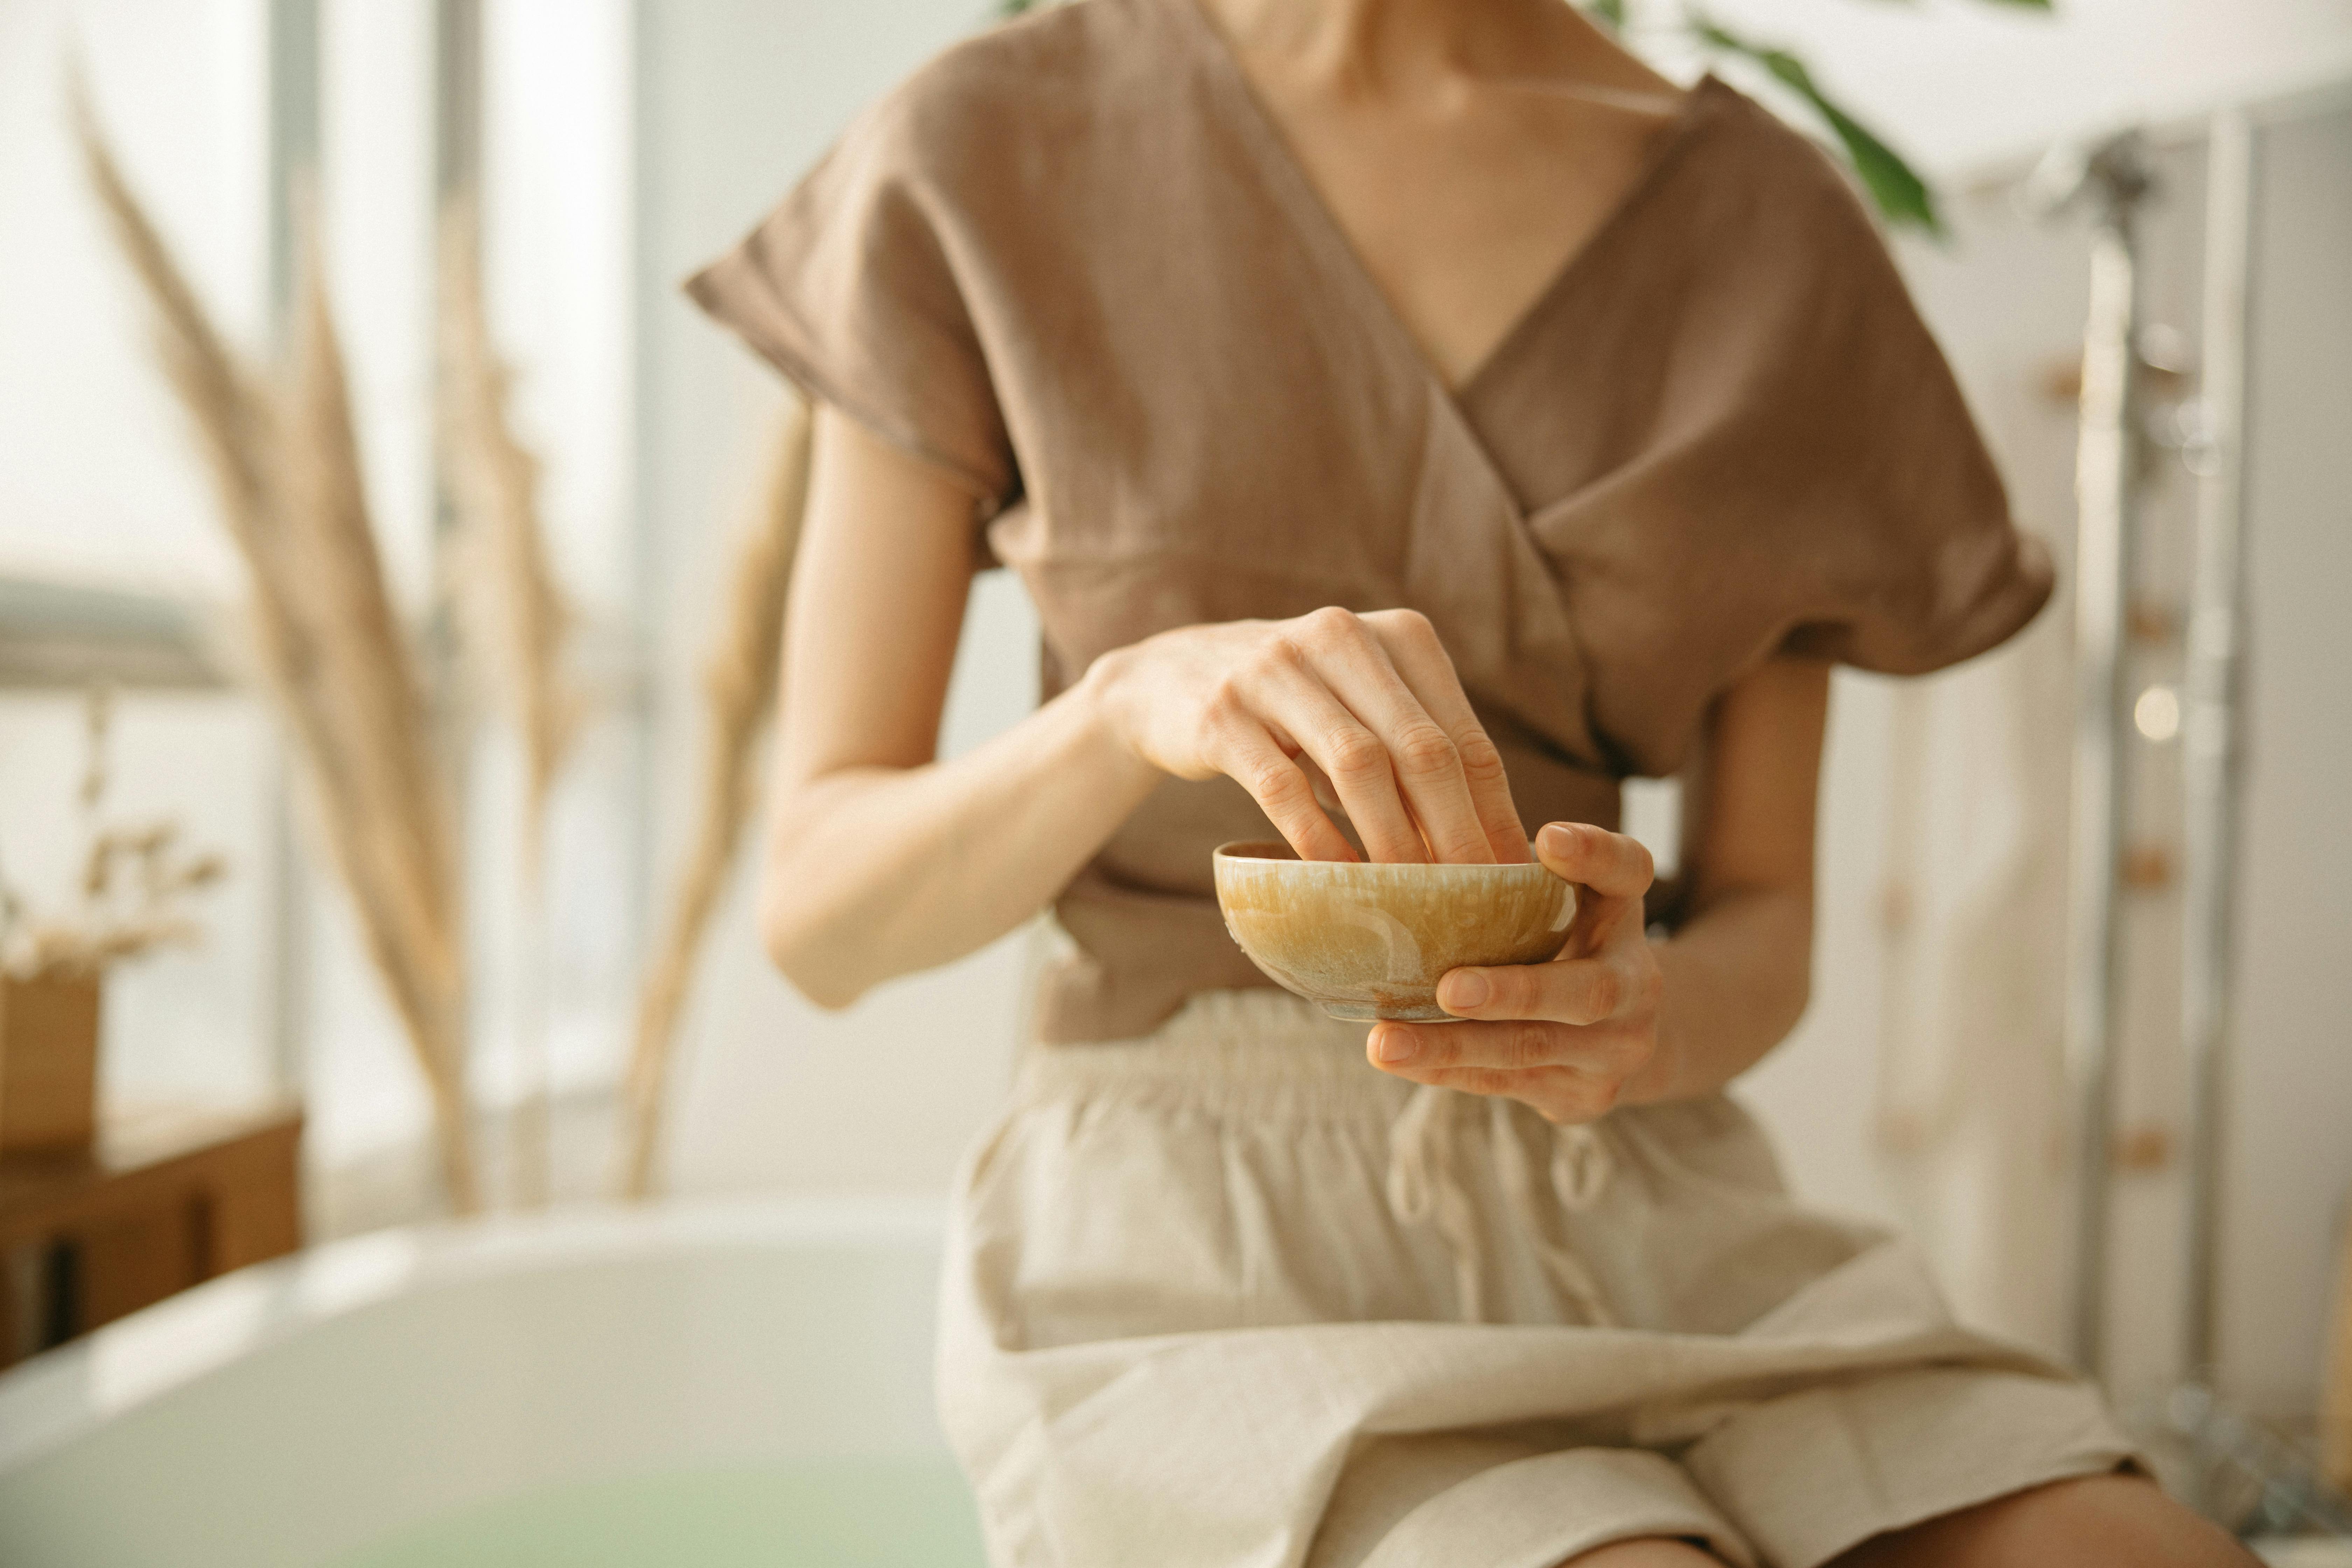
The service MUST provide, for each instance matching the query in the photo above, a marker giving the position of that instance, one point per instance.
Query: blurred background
(561, 164)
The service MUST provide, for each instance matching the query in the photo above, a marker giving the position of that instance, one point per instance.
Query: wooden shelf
(166, 1197)
(67, 635)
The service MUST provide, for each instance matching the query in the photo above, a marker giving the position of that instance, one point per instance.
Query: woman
(1410, 417)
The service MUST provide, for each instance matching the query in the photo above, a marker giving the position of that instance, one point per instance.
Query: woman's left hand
(1565, 1037)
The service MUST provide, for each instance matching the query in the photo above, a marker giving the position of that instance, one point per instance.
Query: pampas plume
(738, 685)
(326, 641)
(514, 617)
(135, 879)
(384, 784)
(514, 623)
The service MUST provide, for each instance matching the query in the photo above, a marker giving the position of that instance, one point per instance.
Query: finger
(1556, 1093)
(1419, 1051)
(1569, 991)
(1325, 795)
(1351, 757)
(1242, 751)
(1426, 765)
(1611, 864)
(1549, 1085)
(1559, 1095)
(1423, 663)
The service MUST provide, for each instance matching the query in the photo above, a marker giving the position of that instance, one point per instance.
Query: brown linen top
(1074, 262)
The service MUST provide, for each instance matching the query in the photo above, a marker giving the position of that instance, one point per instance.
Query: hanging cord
(1579, 1169)
(1425, 1185)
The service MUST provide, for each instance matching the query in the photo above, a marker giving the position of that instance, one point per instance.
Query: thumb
(1611, 864)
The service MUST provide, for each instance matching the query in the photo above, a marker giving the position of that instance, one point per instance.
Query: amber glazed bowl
(1370, 940)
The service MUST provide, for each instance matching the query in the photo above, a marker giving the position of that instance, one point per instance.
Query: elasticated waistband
(1268, 1056)
(1263, 1052)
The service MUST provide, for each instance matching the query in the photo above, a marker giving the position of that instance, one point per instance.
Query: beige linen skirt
(1229, 1298)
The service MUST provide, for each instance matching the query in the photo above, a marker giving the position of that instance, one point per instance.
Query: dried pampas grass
(739, 682)
(384, 793)
(229, 411)
(134, 880)
(119, 918)
(326, 640)
(515, 619)
(514, 622)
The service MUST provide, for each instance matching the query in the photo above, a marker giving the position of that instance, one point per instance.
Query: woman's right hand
(1368, 702)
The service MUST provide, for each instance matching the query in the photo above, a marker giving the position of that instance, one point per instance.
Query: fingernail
(1556, 838)
(1462, 988)
(1393, 1046)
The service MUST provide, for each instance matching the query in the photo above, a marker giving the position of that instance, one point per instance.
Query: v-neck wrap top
(1073, 263)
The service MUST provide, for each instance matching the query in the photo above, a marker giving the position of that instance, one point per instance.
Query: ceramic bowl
(1369, 941)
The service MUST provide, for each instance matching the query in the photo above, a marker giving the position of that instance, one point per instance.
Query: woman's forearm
(1737, 977)
(873, 872)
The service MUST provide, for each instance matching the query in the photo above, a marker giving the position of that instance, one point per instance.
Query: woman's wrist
(1102, 732)
(1658, 1076)
(1661, 1078)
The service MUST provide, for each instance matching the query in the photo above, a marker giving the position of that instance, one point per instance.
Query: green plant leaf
(1610, 13)
(1892, 184)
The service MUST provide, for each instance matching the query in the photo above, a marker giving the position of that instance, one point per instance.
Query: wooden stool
(163, 1199)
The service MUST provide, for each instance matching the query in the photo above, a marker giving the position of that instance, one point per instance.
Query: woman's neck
(1382, 46)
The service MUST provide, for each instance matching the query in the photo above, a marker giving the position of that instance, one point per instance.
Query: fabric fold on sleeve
(852, 288)
(1919, 564)
(1782, 463)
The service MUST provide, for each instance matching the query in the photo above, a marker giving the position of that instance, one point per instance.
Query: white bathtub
(706, 1386)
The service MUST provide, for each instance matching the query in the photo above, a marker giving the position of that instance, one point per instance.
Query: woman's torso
(1075, 261)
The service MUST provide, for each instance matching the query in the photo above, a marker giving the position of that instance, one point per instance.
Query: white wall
(1959, 83)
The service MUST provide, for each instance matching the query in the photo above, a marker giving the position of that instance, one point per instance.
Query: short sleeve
(1910, 523)
(1775, 456)
(852, 288)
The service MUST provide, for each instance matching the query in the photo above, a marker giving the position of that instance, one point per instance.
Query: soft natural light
(2158, 713)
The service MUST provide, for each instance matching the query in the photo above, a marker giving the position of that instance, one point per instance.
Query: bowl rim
(1238, 851)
